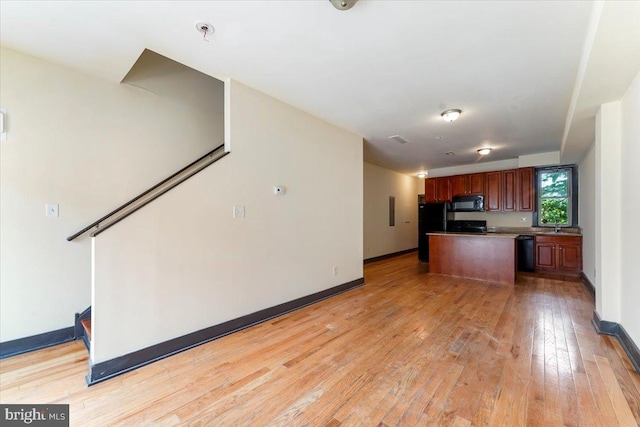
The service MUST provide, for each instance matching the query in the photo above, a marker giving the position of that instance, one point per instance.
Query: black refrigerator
(432, 217)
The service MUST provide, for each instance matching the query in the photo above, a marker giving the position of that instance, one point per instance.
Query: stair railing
(146, 197)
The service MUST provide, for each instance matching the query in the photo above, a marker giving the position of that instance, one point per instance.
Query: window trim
(573, 195)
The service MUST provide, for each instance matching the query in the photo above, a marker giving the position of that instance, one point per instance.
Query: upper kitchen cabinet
(510, 190)
(443, 189)
(526, 190)
(437, 189)
(475, 183)
(462, 185)
(459, 185)
(430, 190)
(493, 191)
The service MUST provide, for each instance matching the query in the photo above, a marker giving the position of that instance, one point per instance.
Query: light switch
(51, 210)
(238, 211)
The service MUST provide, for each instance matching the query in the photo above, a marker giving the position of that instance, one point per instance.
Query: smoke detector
(205, 28)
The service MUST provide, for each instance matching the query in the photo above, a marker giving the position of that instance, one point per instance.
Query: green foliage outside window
(554, 197)
(554, 209)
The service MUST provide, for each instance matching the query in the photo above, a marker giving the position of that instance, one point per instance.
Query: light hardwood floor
(408, 348)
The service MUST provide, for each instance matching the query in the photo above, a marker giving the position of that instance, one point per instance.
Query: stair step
(86, 324)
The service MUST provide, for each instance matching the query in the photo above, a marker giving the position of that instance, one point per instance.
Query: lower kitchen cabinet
(558, 254)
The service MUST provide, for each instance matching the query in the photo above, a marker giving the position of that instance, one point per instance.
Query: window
(557, 196)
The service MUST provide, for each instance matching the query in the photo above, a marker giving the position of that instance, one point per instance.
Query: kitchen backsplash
(498, 219)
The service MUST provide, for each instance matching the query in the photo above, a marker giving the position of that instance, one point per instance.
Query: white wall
(473, 168)
(607, 211)
(379, 237)
(629, 209)
(89, 145)
(617, 233)
(540, 159)
(587, 212)
(183, 263)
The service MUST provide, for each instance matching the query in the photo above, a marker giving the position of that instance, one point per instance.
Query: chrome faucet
(557, 227)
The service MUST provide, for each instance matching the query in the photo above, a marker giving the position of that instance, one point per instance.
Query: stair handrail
(144, 193)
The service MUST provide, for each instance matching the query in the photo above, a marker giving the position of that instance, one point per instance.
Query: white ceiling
(379, 69)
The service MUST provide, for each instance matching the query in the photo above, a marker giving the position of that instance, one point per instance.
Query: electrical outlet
(523, 219)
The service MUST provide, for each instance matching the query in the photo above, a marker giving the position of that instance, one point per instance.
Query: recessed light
(422, 175)
(484, 151)
(451, 115)
(450, 153)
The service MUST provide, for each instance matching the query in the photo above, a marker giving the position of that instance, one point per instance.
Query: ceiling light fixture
(451, 115)
(484, 151)
(450, 153)
(422, 175)
(343, 4)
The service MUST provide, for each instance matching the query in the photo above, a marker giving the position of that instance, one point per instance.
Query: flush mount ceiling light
(343, 4)
(484, 151)
(451, 115)
(422, 175)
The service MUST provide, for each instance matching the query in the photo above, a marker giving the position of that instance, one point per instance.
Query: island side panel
(474, 257)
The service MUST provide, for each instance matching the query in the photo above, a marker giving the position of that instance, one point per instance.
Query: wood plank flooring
(407, 348)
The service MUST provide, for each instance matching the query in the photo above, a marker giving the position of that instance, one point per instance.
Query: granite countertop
(490, 235)
(512, 232)
(566, 231)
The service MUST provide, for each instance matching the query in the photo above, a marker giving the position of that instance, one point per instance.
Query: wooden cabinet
(430, 190)
(437, 189)
(475, 182)
(462, 185)
(558, 254)
(443, 189)
(510, 190)
(493, 191)
(459, 185)
(526, 190)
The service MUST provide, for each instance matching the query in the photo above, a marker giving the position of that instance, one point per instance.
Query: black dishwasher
(526, 258)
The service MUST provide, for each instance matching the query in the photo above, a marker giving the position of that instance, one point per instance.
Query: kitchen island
(489, 257)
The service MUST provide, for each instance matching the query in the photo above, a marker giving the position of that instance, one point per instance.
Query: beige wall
(183, 263)
(379, 237)
(89, 145)
(498, 219)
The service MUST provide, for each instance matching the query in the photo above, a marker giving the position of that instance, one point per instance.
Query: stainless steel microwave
(467, 204)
